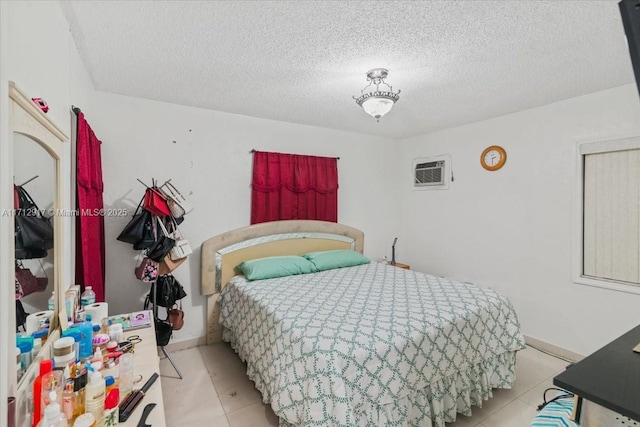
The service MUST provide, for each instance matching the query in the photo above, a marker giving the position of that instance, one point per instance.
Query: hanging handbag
(160, 248)
(181, 205)
(138, 231)
(167, 291)
(19, 291)
(147, 271)
(34, 231)
(163, 244)
(21, 315)
(167, 265)
(21, 252)
(176, 209)
(175, 316)
(163, 332)
(28, 281)
(181, 248)
(156, 202)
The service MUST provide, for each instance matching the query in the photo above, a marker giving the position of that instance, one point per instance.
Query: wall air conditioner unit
(431, 173)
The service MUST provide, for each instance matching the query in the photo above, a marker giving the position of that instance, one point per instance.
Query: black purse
(138, 231)
(167, 291)
(33, 230)
(163, 332)
(21, 315)
(161, 247)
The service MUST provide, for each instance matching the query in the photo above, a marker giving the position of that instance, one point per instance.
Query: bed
(366, 345)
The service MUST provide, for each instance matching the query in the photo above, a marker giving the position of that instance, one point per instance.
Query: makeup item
(110, 384)
(125, 380)
(112, 346)
(46, 366)
(26, 356)
(137, 396)
(79, 385)
(111, 410)
(94, 395)
(52, 415)
(51, 381)
(63, 352)
(85, 420)
(68, 402)
(115, 332)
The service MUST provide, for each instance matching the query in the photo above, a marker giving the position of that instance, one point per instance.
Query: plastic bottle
(97, 359)
(111, 410)
(51, 305)
(52, 381)
(94, 395)
(110, 384)
(52, 415)
(19, 370)
(125, 380)
(88, 297)
(46, 366)
(68, 403)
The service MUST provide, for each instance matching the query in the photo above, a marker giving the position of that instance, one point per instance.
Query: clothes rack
(28, 181)
(155, 316)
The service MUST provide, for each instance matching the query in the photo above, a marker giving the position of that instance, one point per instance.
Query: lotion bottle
(52, 415)
(94, 396)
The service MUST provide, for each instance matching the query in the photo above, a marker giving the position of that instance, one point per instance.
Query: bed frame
(221, 253)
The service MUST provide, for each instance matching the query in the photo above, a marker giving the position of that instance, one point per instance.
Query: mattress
(371, 345)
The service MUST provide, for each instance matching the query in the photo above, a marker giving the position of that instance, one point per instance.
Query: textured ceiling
(456, 62)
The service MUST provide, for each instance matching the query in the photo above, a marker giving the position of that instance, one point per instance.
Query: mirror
(34, 174)
(38, 148)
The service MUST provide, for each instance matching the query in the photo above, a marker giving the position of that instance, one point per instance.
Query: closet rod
(75, 109)
(253, 150)
(28, 181)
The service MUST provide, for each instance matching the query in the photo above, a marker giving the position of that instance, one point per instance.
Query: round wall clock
(493, 158)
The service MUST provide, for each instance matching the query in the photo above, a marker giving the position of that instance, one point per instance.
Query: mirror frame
(27, 119)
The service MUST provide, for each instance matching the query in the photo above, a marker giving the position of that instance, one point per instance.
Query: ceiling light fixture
(377, 103)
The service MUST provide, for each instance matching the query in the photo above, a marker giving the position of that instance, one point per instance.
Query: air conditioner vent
(429, 174)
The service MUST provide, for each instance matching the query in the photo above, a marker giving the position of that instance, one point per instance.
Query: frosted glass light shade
(377, 107)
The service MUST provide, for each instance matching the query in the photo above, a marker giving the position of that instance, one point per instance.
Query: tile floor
(216, 392)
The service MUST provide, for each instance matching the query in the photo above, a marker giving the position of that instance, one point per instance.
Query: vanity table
(146, 362)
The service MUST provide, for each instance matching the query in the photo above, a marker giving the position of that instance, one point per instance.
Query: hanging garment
(90, 252)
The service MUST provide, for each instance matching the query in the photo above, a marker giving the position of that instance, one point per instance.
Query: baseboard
(553, 349)
(183, 345)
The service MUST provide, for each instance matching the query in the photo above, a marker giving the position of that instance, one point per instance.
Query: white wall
(512, 229)
(210, 164)
(43, 61)
(38, 53)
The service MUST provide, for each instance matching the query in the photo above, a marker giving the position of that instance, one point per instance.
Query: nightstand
(401, 265)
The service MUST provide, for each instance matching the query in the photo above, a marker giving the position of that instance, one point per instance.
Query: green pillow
(275, 266)
(327, 260)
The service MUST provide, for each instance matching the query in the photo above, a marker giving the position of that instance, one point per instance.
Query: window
(609, 174)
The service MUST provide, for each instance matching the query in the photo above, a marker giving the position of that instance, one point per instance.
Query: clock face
(493, 158)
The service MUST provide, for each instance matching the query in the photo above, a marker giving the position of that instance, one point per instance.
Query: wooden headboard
(221, 253)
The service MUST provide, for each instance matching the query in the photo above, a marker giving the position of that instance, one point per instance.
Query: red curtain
(292, 186)
(90, 254)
